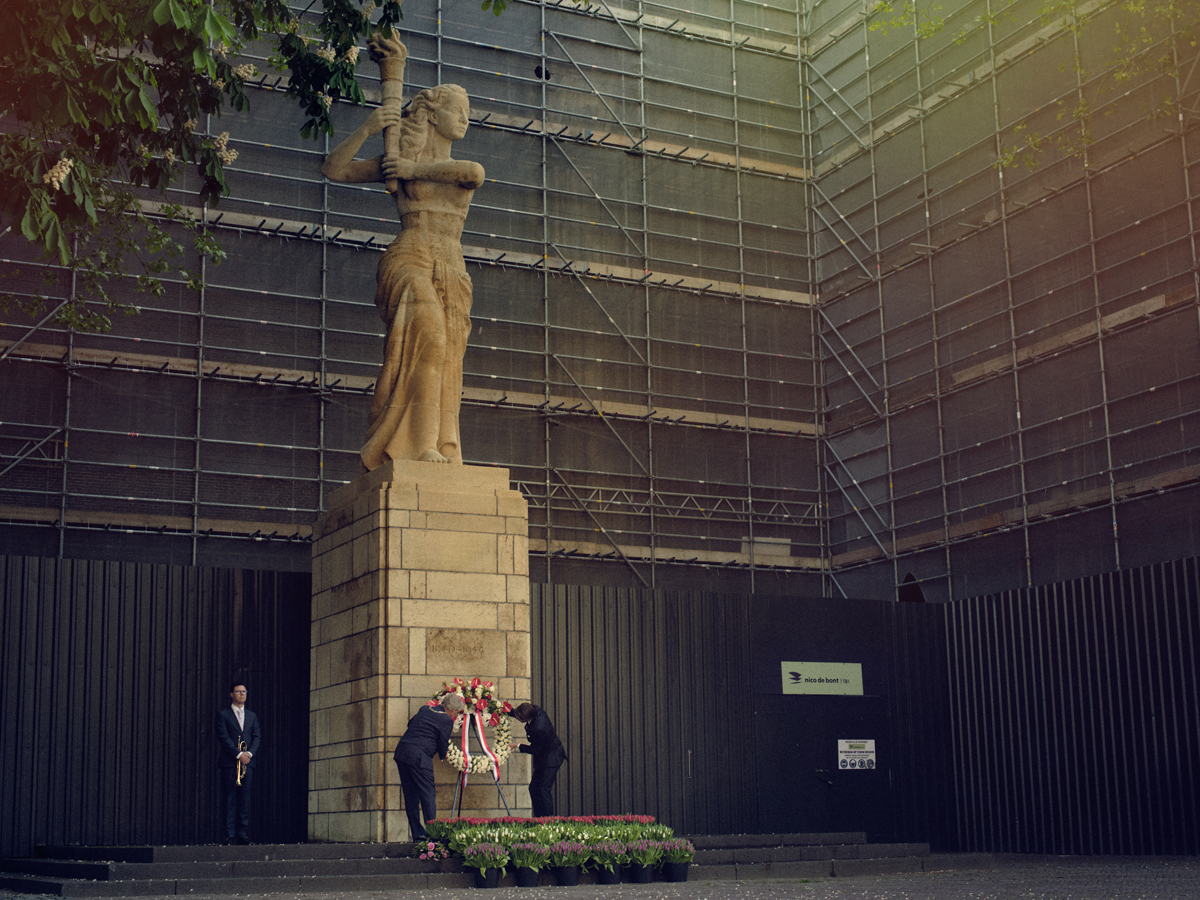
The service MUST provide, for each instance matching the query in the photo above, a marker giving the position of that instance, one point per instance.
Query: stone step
(843, 868)
(315, 884)
(223, 852)
(807, 853)
(208, 869)
(731, 841)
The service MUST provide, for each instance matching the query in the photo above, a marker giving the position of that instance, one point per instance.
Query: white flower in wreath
(478, 697)
(481, 764)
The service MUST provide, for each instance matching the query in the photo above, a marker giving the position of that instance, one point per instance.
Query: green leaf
(162, 12)
(178, 15)
(29, 225)
(75, 112)
(217, 28)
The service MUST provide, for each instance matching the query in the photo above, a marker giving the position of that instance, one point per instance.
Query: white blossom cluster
(168, 156)
(352, 55)
(326, 53)
(245, 71)
(189, 126)
(326, 100)
(367, 10)
(221, 145)
(58, 174)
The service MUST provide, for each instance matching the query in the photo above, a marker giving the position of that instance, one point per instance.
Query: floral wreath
(479, 700)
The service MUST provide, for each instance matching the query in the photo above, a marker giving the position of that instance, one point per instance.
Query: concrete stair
(214, 869)
(753, 857)
(327, 868)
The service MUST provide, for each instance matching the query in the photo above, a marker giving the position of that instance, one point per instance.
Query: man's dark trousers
(541, 790)
(237, 802)
(416, 783)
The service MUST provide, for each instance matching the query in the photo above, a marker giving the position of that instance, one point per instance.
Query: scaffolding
(1010, 353)
(756, 309)
(641, 357)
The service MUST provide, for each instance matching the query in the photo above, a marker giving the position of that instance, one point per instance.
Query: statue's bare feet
(433, 456)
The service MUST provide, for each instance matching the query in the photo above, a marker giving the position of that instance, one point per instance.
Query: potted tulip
(565, 859)
(677, 856)
(488, 860)
(643, 857)
(528, 860)
(607, 858)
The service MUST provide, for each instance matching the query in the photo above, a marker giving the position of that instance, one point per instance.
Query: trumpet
(241, 769)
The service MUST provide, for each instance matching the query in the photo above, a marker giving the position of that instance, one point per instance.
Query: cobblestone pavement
(1047, 878)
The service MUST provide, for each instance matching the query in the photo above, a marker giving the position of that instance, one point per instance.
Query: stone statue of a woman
(423, 291)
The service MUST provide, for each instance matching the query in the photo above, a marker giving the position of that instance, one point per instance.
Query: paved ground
(1042, 878)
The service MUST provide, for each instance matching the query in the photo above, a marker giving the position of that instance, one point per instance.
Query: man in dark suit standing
(428, 733)
(239, 734)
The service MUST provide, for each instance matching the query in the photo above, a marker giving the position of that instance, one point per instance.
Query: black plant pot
(487, 878)
(527, 877)
(609, 876)
(639, 874)
(566, 876)
(675, 871)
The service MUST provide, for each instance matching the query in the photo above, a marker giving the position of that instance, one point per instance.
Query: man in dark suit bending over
(239, 734)
(428, 734)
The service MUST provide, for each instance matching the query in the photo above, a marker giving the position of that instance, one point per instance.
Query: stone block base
(420, 574)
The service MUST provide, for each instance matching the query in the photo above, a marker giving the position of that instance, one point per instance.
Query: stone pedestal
(420, 574)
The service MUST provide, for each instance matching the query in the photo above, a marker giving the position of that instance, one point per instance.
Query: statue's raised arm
(423, 290)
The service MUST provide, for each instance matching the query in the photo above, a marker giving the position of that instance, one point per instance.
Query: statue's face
(451, 119)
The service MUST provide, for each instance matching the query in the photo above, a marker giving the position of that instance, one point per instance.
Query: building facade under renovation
(781, 313)
(827, 299)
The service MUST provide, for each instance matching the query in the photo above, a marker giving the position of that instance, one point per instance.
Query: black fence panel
(647, 688)
(112, 674)
(802, 787)
(1076, 717)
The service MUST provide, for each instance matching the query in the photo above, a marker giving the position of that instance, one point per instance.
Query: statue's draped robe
(424, 296)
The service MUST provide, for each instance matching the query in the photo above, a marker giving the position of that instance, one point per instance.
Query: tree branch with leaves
(105, 102)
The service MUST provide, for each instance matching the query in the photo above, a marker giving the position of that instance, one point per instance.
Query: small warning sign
(856, 754)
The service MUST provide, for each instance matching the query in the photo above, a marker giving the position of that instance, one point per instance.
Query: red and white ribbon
(486, 749)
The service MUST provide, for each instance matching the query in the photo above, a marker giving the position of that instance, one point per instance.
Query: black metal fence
(1064, 719)
(1076, 718)
(112, 675)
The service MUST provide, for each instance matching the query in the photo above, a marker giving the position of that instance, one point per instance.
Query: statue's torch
(390, 54)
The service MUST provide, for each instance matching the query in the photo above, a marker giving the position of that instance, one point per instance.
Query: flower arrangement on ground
(529, 856)
(678, 850)
(479, 701)
(485, 856)
(431, 850)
